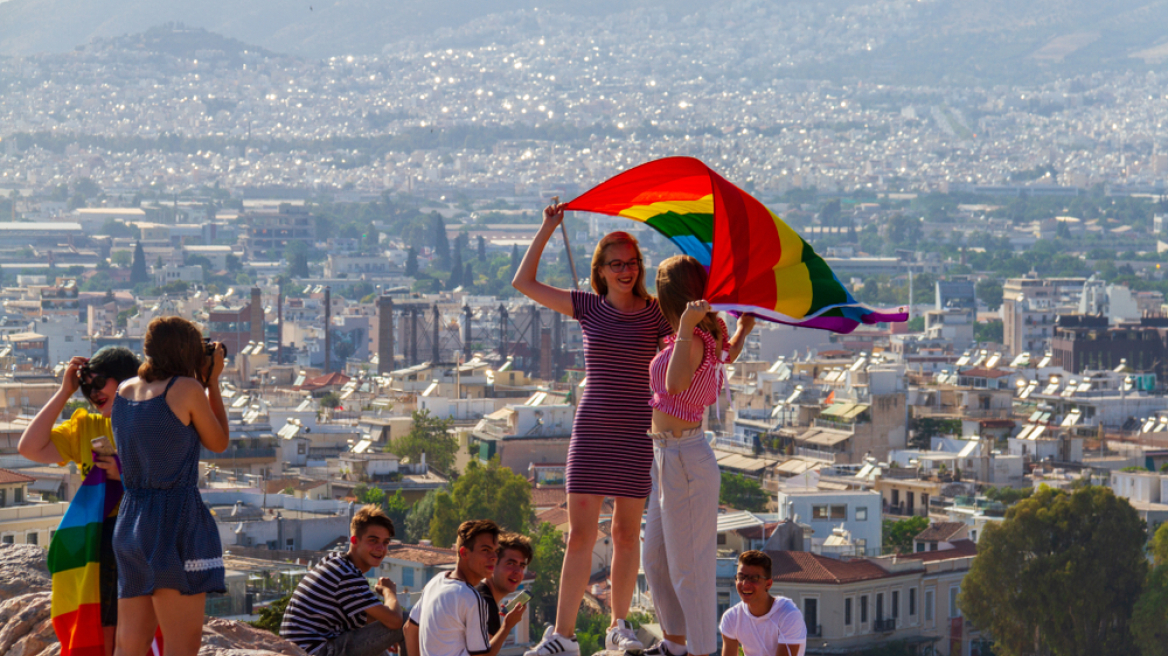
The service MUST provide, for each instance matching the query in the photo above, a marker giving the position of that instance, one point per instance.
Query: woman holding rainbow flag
(81, 558)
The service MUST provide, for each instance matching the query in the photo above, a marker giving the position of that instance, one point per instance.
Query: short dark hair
(116, 362)
(370, 515)
(472, 528)
(517, 542)
(756, 559)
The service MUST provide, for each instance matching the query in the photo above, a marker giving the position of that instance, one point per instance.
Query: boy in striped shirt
(330, 610)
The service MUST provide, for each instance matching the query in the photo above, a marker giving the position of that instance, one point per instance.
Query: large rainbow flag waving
(757, 263)
(75, 564)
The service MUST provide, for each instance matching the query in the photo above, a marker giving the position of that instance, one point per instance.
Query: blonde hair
(615, 239)
(681, 279)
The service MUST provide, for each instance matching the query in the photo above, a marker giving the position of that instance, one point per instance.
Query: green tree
(1008, 496)
(330, 400)
(412, 262)
(989, 291)
(296, 254)
(1160, 545)
(272, 615)
(742, 493)
(515, 260)
(1060, 575)
(898, 534)
(431, 436)
(419, 516)
(394, 505)
(482, 248)
(1149, 621)
(548, 544)
(138, 273)
(488, 491)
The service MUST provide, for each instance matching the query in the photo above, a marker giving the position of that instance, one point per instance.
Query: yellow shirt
(73, 438)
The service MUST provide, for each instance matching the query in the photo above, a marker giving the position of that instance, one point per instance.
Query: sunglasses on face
(91, 381)
(616, 266)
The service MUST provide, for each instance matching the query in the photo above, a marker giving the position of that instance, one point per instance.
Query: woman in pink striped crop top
(679, 552)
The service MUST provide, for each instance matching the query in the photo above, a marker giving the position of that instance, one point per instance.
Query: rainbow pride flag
(757, 263)
(75, 565)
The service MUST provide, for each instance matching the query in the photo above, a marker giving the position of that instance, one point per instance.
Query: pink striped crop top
(707, 383)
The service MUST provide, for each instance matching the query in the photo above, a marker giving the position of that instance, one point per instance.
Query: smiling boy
(761, 624)
(330, 610)
(515, 555)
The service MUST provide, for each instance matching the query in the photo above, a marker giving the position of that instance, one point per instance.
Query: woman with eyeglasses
(609, 454)
(98, 378)
(166, 541)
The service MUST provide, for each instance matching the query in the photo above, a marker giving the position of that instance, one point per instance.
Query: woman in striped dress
(681, 530)
(609, 454)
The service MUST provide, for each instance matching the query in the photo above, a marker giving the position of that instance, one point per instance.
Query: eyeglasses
(616, 266)
(749, 578)
(91, 381)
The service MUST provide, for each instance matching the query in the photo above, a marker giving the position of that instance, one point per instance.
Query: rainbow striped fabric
(757, 263)
(75, 564)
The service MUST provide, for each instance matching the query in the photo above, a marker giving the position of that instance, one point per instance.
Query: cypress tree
(138, 273)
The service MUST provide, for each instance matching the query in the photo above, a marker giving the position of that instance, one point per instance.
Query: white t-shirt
(761, 636)
(451, 619)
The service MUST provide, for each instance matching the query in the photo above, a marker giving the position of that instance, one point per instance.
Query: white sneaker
(622, 638)
(554, 644)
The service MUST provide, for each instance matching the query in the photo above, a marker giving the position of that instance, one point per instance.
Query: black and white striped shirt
(330, 600)
(451, 618)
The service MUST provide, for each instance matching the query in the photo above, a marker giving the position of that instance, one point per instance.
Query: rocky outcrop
(26, 628)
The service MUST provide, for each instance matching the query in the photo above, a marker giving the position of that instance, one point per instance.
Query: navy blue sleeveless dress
(165, 536)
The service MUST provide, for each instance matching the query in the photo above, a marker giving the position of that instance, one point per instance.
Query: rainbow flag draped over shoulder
(757, 263)
(75, 564)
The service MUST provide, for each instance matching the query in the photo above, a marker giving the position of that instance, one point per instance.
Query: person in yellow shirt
(98, 378)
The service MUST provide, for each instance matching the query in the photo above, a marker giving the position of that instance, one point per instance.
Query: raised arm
(687, 351)
(207, 413)
(554, 298)
(744, 325)
(36, 442)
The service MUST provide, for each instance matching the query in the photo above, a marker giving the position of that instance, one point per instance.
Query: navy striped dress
(610, 453)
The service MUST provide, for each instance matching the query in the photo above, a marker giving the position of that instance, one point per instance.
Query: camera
(209, 348)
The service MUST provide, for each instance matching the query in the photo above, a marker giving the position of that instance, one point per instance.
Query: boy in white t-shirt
(761, 624)
(450, 619)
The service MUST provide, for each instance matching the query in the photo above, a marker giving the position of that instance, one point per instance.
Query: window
(912, 602)
(3, 498)
(839, 513)
(861, 514)
(31, 538)
(895, 604)
(721, 538)
(408, 576)
(848, 611)
(811, 615)
(821, 512)
(864, 609)
(928, 605)
(879, 606)
(18, 495)
(954, 611)
(8, 539)
(289, 544)
(920, 546)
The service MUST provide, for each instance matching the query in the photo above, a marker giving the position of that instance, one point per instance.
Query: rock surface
(26, 628)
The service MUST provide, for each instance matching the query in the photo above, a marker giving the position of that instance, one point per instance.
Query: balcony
(884, 626)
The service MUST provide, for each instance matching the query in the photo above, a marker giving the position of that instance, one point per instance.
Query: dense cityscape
(349, 227)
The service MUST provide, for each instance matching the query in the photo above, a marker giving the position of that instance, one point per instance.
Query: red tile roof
(940, 532)
(418, 553)
(548, 497)
(961, 549)
(7, 476)
(806, 567)
(333, 379)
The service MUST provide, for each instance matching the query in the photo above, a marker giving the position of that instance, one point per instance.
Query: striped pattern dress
(610, 453)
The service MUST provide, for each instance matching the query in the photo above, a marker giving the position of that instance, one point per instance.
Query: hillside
(929, 41)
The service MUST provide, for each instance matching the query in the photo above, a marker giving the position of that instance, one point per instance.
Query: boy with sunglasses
(760, 624)
(72, 441)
